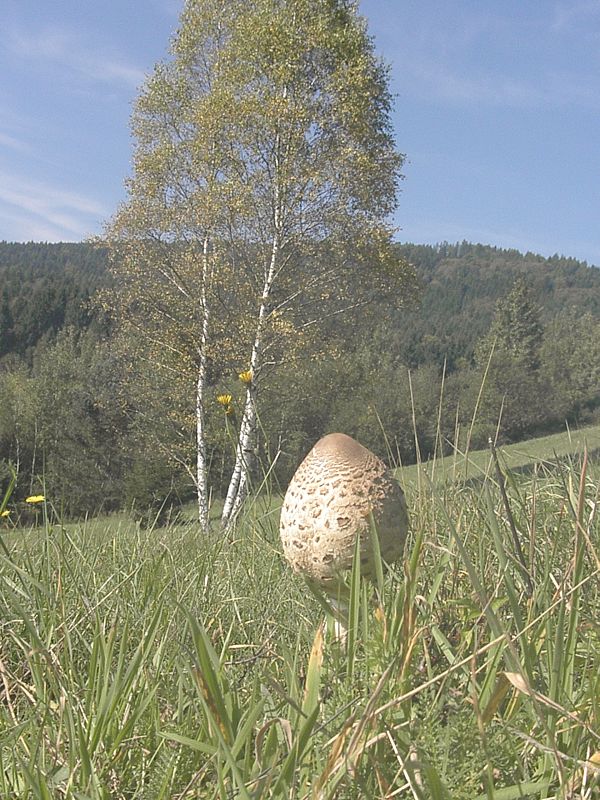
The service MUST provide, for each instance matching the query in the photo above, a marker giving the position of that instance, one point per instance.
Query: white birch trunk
(240, 478)
(201, 462)
(201, 451)
(239, 484)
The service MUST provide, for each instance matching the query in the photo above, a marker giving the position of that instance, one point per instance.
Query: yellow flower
(35, 498)
(5, 513)
(246, 376)
(229, 410)
(224, 399)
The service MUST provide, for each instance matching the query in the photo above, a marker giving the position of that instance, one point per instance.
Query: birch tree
(265, 172)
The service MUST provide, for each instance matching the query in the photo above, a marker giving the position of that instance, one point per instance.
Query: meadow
(543, 451)
(159, 663)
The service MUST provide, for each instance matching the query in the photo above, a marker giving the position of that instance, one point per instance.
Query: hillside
(75, 403)
(545, 453)
(44, 287)
(462, 284)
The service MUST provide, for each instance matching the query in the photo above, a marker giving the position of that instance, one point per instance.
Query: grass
(162, 664)
(523, 456)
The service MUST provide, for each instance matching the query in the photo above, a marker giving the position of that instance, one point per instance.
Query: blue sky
(497, 110)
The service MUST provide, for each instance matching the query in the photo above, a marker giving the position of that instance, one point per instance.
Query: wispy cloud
(68, 50)
(435, 81)
(448, 54)
(12, 143)
(29, 207)
(16, 227)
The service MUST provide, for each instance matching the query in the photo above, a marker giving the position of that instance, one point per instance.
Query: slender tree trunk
(33, 457)
(201, 451)
(201, 461)
(17, 455)
(240, 478)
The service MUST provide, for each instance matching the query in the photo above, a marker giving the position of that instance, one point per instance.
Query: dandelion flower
(230, 411)
(224, 400)
(35, 498)
(246, 377)
(5, 513)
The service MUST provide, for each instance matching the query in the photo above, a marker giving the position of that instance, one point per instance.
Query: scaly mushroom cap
(329, 503)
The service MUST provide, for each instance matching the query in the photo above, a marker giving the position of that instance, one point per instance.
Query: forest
(495, 343)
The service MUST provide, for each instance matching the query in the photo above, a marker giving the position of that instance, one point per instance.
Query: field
(520, 457)
(163, 664)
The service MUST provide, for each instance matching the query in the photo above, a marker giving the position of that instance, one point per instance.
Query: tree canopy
(265, 171)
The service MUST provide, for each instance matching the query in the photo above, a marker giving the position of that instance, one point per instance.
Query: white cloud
(431, 80)
(446, 53)
(435, 81)
(12, 143)
(33, 210)
(21, 228)
(64, 48)
(120, 72)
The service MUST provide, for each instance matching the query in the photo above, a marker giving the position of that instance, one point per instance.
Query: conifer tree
(513, 349)
(517, 327)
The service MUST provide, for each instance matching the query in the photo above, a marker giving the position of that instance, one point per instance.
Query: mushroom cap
(329, 503)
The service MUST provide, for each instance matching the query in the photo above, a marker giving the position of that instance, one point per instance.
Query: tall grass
(165, 664)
